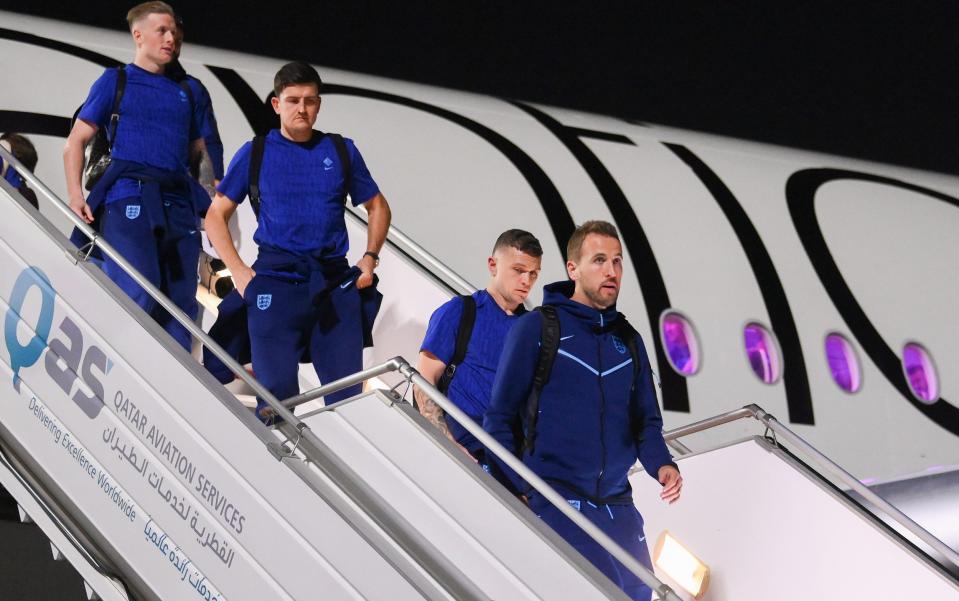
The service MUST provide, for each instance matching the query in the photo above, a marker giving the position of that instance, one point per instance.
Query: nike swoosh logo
(566, 337)
(346, 285)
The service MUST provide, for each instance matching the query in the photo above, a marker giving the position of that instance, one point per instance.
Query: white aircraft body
(727, 233)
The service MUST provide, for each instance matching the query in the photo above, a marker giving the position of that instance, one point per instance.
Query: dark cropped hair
(296, 73)
(521, 240)
(22, 148)
(575, 244)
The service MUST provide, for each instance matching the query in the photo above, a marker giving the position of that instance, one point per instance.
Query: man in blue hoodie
(597, 410)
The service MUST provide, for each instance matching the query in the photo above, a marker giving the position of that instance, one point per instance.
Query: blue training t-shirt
(157, 122)
(471, 386)
(301, 209)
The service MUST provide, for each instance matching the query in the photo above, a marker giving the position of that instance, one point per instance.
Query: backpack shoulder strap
(347, 166)
(256, 161)
(115, 109)
(463, 334)
(548, 347)
(630, 337)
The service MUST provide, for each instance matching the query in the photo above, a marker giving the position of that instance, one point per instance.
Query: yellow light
(677, 562)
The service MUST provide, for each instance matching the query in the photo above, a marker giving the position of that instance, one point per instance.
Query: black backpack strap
(630, 337)
(256, 161)
(347, 166)
(115, 110)
(463, 334)
(548, 347)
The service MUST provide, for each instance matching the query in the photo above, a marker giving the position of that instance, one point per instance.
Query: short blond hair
(575, 244)
(148, 8)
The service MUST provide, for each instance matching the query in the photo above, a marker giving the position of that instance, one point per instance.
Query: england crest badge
(263, 301)
(133, 211)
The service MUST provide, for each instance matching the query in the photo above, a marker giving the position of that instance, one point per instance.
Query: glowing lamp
(684, 568)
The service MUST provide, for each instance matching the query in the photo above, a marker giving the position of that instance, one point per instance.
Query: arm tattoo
(432, 412)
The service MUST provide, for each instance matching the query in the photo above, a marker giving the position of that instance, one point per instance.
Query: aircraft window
(920, 372)
(762, 351)
(843, 362)
(680, 342)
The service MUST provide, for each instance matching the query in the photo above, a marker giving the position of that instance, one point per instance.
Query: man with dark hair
(582, 422)
(301, 295)
(146, 205)
(22, 149)
(479, 324)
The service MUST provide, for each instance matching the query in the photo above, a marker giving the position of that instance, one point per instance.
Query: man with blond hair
(587, 417)
(145, 203)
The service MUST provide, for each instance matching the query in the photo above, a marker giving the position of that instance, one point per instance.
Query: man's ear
(572, 271)
(275, 101)
(491, 265)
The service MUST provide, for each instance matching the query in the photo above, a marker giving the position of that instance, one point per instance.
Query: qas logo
(67, 349)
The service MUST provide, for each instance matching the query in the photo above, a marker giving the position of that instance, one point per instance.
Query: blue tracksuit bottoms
(166, 254)
(320, 317)
(622, 523)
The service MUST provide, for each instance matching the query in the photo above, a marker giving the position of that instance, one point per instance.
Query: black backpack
(100, 149)
(256, 162)
(549, 345)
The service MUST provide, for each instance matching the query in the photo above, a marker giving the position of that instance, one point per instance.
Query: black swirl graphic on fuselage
(801, 191)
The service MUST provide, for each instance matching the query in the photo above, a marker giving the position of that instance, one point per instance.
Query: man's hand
(80, 207)
(241, 279)
(367, 264)
(672, 483)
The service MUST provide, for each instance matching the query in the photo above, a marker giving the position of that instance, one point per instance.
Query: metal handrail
(336, 385)
(406, 245)
(492, 445)
(783, 433)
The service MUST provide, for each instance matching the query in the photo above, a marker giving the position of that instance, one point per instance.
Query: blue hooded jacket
(594, 419)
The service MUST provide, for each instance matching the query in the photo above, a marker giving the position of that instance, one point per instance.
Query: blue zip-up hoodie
(594, 420)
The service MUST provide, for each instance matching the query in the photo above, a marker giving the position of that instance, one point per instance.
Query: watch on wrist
(376, 257)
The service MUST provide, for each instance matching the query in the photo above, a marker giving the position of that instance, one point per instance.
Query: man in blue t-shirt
(514, 267)
(301, 295)
(146, 205)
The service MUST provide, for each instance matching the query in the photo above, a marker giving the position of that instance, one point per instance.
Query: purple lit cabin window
(762, 352)
(920, 373)
(681, 343)
(843, 363)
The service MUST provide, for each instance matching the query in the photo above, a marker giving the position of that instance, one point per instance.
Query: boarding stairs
(154, 482)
